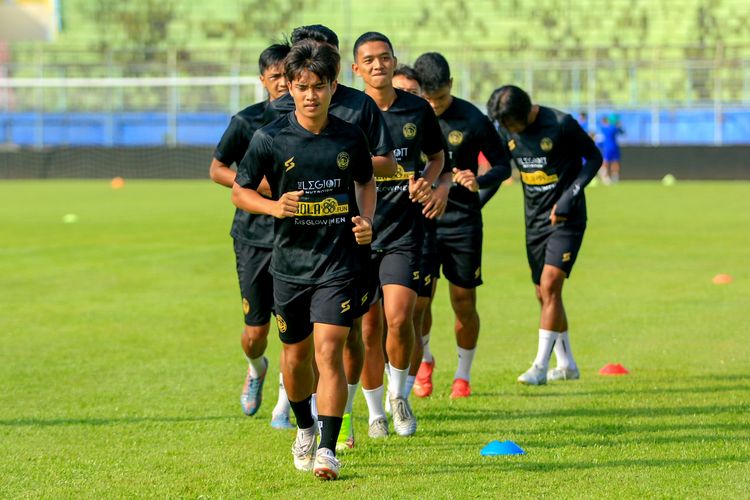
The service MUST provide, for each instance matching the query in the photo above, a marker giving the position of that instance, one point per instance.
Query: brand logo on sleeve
(289, 164)
(342, 160)
(456, 137)
(512, 144)
(546, 144)
(410, 131)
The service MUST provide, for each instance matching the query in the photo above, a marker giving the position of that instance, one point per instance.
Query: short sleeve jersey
(352, 106)
(468, 132)
(548, 155)
(252, 229)
(317, 245)
(415, 130)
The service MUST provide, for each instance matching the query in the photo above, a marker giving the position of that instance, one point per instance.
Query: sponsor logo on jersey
(318, 185)
(322, 208)
(289, 164)
(400, 175)
(245, 305)
(566, 257)
(345, 306)
(281, 323)
(538, 178)
(546, 144)
(456, 137)
(512, 144)
(342, 160)
(410, 131)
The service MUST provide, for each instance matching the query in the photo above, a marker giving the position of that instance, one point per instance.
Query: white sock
(397, 381)
(350, 397)
(410, 384)
(563, 353)
(427, 354)
(257, 366)
(314, 406)
(547, 340)
(282, 405)
(465, 358)
(374, 399)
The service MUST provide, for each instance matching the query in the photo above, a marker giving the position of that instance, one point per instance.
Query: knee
(328, 354)
(400, 321)
(256, 333)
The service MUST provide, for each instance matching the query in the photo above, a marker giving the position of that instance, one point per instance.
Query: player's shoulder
(269, 131)
(342, 128)
(553, 116)
(466, 108)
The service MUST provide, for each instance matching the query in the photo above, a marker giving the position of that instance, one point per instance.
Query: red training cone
(613, 369)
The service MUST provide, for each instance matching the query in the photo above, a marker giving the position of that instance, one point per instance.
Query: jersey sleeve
(581, 144)
(234, 142)
(362, 162)
(432, 136)
(497, 155)
(257, 162)
(374, 126)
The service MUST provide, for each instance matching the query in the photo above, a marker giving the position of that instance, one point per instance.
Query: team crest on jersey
(546, 144)
(512, 144)
(456, 137)
(342, 160)
(245, 305)
(281, 323)
(410, 131)
(289, 164)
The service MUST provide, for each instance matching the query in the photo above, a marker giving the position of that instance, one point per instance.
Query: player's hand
(362, 230)
(466, 178)
(555, 218)
(435, 207)
(420, 191)
(286, 206)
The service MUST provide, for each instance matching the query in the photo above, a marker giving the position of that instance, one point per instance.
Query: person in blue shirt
(608, 131)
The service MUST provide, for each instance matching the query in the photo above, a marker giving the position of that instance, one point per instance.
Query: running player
(459, 230)
(253, 240)
(323, 198)
(548, 146)
(398, 235)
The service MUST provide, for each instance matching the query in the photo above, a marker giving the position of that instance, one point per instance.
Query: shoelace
(401, 409)
(303, 447)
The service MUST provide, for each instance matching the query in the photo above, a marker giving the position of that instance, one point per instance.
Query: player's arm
(435, 207)
(580, 142)
(433, 146)
(366, 196)
(221, 173)
(384, 165)
(381, 145)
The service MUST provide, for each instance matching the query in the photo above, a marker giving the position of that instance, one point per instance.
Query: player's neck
(312, 125)
(383, 97)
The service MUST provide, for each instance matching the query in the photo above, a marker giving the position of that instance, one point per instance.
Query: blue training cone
(505, 448)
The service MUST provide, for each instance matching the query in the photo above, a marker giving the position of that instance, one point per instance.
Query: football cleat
(252, 391)
(423, 382)
(327, 465)
(460, 389)
(404, 421)
(281, 421)
(304, 447)
(345, 441)
(378, 429)
(536, 375)
(560, 373)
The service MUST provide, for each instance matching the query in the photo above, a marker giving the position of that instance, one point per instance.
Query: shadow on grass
(51, 422)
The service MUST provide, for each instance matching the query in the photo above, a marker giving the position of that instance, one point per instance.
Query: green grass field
(120, 364)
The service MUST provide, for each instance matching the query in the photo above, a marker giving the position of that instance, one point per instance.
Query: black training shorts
(557, 246)
(256, 283)
(460, 256)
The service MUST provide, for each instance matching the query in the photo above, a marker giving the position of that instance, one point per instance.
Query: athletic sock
(465, 358)
(409, 385)
(314, 405)
(329, 431)
(352, 388)
(547, 340)
(563, 353)
(397, 382)
(427, 354)
(282, 404)
(374, 399)
(302, 413)
(257, 365)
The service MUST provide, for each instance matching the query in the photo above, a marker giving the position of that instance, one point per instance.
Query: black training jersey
(467, 132)
(415, 130)
(548, 156)
(317, 245)
(352, 106)
(253, 229)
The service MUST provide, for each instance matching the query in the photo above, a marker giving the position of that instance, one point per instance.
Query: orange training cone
(613, 369)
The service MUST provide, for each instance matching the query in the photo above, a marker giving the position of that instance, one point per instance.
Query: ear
(334, 85)
(450, 83)
(355, 68)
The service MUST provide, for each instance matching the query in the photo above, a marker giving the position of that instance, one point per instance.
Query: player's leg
(423, 325)
(614, 173)
(372, 374)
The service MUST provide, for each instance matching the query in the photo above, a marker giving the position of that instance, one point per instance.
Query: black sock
(303, 413)
(329, 431)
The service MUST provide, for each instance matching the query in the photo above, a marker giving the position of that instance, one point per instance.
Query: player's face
(406, 84)
(312, 96)
(375, 64)
(274, 81)
(440, 99)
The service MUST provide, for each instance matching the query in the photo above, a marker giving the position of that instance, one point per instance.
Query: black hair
(272, 56)
(319, 58)
(408, 72)
(509, 103)
(371, 36)
(433, 70)
(316, 32)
